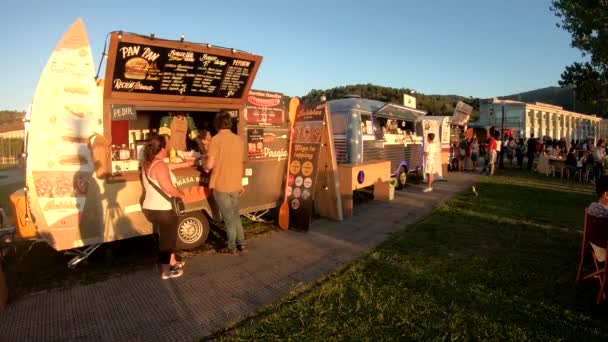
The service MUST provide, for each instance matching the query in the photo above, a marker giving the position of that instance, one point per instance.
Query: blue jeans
(228, 203)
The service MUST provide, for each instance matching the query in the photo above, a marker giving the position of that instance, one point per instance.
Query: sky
(478, 48)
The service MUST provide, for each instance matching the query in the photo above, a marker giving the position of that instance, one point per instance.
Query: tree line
(433, 104)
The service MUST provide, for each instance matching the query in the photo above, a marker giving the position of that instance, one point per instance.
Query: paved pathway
(215, 290)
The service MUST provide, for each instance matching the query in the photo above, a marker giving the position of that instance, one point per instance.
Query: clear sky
(479, 48)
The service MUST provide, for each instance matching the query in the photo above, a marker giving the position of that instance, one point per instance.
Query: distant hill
(563, 97)
(9, 119)
(433, 104)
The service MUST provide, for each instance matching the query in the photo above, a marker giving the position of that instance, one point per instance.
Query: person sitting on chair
(600, 208)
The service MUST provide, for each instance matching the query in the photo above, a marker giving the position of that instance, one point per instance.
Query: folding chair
(595, 231)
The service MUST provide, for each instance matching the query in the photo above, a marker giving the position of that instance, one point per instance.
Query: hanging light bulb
(181, 39)
(119, 35)
(152, 35)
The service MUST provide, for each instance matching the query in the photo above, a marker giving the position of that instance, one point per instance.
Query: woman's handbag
(177, 204)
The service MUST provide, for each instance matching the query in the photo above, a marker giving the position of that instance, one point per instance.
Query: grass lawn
(499, 266)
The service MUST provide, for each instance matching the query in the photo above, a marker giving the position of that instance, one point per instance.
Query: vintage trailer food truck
(366, 130)
(84, 137)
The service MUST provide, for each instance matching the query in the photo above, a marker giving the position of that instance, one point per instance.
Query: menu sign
(123, 112)
(155, 70)
(461, 115)
(305, 148)
(265, 108)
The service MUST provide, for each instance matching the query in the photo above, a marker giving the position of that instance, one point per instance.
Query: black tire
(192, 230)
(401, 179)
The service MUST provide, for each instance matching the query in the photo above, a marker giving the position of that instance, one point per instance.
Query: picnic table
(559, 164)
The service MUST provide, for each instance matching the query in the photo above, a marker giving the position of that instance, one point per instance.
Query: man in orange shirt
(226, 156)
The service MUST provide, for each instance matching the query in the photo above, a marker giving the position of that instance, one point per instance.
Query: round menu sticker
(288, 191)
(297, 192)
(307, 182)
(295, 204)
(307, 168)
(294, 168)
(298, 181)
(290, 180)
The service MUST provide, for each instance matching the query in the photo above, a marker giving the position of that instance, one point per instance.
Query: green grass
(499, 266)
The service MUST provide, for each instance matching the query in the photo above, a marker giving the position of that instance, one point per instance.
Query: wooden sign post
(312, 168)
(328, 202)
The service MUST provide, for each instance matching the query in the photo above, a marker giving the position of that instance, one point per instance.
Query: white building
(539, 118)
(12, 131)
(604, 129)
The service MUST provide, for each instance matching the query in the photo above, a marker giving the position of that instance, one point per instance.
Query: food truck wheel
(401, 178)
(192, 230)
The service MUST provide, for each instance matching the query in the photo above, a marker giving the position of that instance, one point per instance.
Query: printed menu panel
(151, 69)
(265, 108)
(304, 164)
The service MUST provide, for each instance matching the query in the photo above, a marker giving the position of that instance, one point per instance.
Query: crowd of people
(581, 157)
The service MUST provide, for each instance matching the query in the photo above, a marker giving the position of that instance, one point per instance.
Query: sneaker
(178, 265)
(172, 274)
(228, 251)
(427, 190)
(242, 248)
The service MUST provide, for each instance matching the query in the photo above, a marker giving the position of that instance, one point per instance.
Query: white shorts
(428, 166)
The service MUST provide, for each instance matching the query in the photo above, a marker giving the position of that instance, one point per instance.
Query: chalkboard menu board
(141, 68)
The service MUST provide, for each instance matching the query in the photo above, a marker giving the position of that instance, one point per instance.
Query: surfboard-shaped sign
(66, 112)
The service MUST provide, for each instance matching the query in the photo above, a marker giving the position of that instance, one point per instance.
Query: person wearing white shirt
(429, 160)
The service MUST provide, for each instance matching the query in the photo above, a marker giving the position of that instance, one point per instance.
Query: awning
(393, 111)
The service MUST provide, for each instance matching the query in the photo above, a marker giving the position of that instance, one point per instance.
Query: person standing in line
(511, 146)
(226, 156)
(531, 151)
(519, 152)
(492, 152)
(157, 208)
(474, 152)
(429, 161)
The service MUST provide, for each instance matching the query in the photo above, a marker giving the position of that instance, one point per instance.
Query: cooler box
(25, 228)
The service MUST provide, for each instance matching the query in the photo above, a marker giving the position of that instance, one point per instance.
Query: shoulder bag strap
(156, 187)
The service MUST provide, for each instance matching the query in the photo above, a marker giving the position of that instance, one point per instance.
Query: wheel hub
(190, 230)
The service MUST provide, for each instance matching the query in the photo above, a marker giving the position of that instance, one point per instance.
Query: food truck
(365, 130)
(84, 137)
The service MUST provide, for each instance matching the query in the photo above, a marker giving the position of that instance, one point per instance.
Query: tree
(586, 21)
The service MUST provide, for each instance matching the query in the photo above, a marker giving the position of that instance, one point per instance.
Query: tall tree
(587, 22)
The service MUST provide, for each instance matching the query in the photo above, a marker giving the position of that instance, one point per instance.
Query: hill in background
(433, 104)
(10, 120)
(563, 97)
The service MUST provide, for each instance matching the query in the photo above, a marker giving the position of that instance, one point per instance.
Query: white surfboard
(66, 111)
